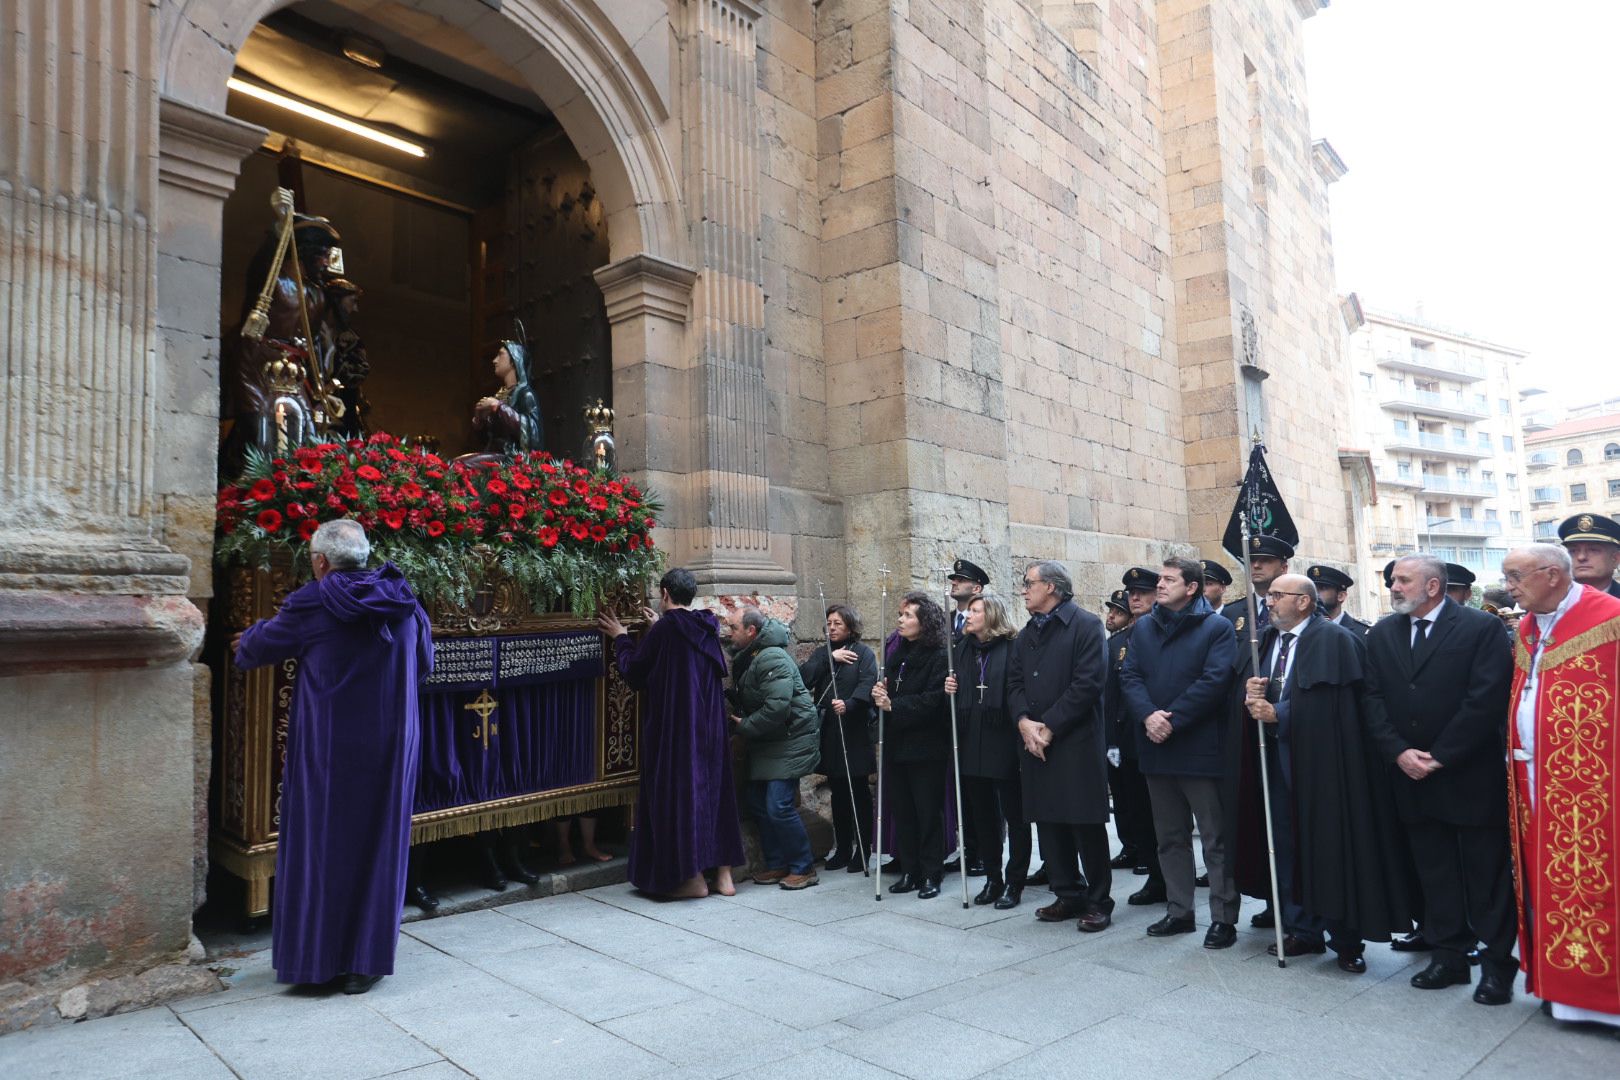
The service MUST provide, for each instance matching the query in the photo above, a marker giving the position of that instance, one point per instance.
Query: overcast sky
(1480, 139)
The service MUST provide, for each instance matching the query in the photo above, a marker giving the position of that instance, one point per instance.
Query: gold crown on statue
(283, 374)
(599, 416)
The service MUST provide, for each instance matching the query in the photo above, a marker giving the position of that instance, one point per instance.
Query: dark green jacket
(779, 718)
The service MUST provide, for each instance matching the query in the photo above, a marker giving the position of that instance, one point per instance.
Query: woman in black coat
(846, 747)
(989, 750)
(917, 743)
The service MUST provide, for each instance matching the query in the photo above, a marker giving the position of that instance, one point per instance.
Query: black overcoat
(1056, 677)
(1449, 698)
(918, 727)
(855, 682)
(986, 733)
(1114, 711)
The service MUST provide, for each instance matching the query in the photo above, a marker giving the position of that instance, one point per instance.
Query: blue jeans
(781, 831)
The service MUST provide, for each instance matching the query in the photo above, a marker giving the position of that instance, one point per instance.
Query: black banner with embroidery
(1262, 503)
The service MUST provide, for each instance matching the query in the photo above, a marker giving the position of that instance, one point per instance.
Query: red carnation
(348, 489)
(582, 487)
(397, 455)
(269, 520)
(598, 533)
(394, 519)
(409, 490)
(635, 542)
(548, 537)
(497, 487)
(597, 503)
(435, 528)
(517, 510)
(522, 482)
(368, 472)
(305, 485)
(615, 488)
(261, 490)
(382, 438)
(558, 497)
(306, 529)
(335, 502)
(579, 531)
(297, 510)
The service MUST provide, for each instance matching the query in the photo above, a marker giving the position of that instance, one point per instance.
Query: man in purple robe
(686, 815)
(363, 646)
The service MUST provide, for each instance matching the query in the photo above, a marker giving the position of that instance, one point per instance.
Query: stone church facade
(889, 282)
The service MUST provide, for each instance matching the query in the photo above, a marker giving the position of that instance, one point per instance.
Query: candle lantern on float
(601, 453)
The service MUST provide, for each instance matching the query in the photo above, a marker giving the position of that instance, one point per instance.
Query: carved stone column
(727, 541)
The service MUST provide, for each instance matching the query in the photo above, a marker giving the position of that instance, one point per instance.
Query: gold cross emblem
(484, 705)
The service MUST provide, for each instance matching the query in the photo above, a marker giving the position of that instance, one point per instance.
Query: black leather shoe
(1494, 989)
(1353, 963)
(1410, 943)
(836, 862)
(1438, 976)
(1125, 860)
(1038, 878)
(419, 897)
(990, 893)
(1473, 956)
(1265, 920)
(1297, 946)
(1010, 898)
(1140, 871)
(1221, 935)
(1147, 894)
(1094, 920)
(359, 984)
(490, 875)
(1057, 911)
(1201, 881)
(857, 864)
(1168, 926)
(928, 889)
(904, 885)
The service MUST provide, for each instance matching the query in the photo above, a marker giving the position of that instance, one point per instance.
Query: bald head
(1291, 600)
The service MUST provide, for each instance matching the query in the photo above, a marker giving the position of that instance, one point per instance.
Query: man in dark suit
(1593, 543)
(1133, 812)
(1268, 560)
(968, 582)
(1055, 690)
(1331, 586)
(1438, 677)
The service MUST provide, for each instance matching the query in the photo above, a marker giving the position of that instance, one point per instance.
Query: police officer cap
(1274, 546)
(1389, 573)
(1118, 601)
(1140, 578)
(1214, 571)
(1327, 575)
(1458, 575)
(1590, 528)
(969, 572)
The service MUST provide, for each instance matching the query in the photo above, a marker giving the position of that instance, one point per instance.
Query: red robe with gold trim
(1566, 843)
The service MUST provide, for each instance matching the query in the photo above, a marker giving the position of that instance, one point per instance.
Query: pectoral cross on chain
(981, 687)
(484, 705)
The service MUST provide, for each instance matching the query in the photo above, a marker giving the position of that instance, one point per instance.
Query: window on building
(1487, 476)
(1402, 427)
(1504, 406)
(1473, 557)
(1463, 472)
(1517, 518)
(1577, 493)
(1546, 530)
(1366, 380)
(1459, 434)
(1614, 489)
(1403, 469)
(1490, 515)
(1484, 440)
(1446, 554)
(1611, 451)
(1467, 513)
(1507, 443)
(1573, 458)
(1512, 477)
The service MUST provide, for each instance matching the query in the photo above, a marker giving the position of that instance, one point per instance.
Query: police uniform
(1592, 529)
(1337, 579)
(1460, 577)
(1133, 812)
(1214, 571)
(1238, 610)
(967, 571)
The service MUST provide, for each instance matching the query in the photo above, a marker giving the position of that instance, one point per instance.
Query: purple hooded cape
(686, 815)
(363, 646)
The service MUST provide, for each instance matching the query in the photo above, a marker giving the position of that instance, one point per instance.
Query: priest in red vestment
(1564, 785)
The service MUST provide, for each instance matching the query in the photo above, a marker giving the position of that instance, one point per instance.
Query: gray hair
(1552, 554)
(1309, 589)
(1056, 575)
(343, 542)
(753, 618)
(1431, 567)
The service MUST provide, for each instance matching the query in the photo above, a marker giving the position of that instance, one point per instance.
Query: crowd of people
(1442, 780)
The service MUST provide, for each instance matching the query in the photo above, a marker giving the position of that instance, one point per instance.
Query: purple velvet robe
(363, 647)
(686, 815)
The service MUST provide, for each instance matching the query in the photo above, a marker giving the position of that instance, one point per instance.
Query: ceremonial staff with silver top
(956, 749)
(838, 706)
(877, 825)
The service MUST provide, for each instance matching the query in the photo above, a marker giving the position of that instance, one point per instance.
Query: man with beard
(1331, 587)
(1054, 690)
(1338, 867)
(1438, 676)
(1593, 543)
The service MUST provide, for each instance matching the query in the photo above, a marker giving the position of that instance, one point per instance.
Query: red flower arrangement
(563, 532)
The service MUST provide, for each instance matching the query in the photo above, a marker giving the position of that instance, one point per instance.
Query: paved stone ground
(824, 984)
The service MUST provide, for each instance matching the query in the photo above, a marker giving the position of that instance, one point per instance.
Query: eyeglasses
(1513, 577)
(1026, 585)
(1274, 595)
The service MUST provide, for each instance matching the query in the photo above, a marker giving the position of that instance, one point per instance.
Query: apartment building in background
(1440, 414)
(1573, 466)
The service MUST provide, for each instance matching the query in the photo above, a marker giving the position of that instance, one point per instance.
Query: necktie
(960, 619)
(1422, 634)
(1279, 668)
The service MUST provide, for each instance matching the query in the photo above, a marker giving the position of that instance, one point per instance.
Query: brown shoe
(800, 881)
(1057, 911)
(769, 877)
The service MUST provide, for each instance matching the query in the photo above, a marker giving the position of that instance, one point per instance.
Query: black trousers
(1467, 883)
(993, 807)
(1067, 850)
(918, 805)
(1133, 816)
(847, 812)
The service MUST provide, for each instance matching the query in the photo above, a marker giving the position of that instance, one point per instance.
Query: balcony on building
(1439, 445)
(1546, 530)
(1391, 541)
(1432, 362)
(1462, 527)
(1398, 479)
(1454, 404)
(1433, 484)
(1543, 496)
(1542, 459)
